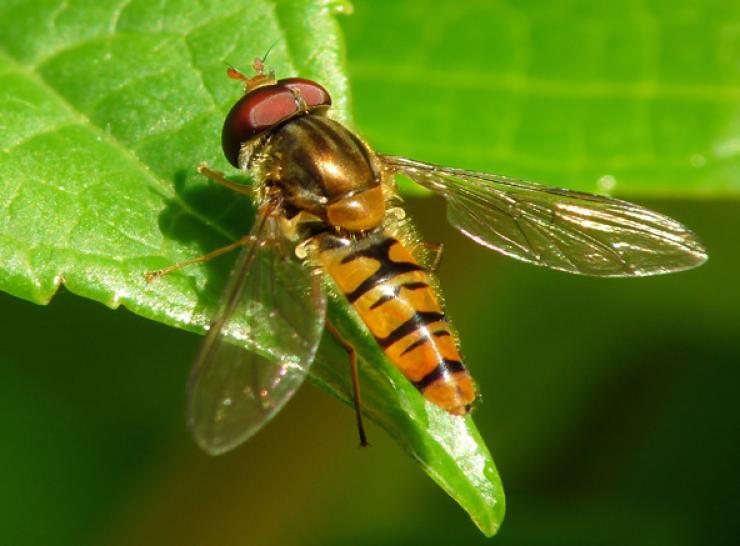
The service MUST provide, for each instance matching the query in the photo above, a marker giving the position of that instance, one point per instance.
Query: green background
(609, 405)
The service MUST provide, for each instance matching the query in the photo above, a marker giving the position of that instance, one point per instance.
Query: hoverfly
(327, 209)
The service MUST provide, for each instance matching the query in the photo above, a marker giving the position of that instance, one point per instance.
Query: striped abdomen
(391, 293)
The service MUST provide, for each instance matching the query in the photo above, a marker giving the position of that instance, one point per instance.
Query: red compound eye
(265, 107)
(311, 92)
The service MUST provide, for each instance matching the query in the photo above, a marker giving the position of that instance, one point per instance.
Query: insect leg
(152, 275)
(355, 379)
(218, 176)
(435, 249)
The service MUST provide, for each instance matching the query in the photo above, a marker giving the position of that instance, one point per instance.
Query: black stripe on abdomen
(411, 285)
(424, 339)
(445, 367)
(418, 320)
(387, 269)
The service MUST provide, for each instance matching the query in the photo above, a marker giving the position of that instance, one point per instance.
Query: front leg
(218, 176)
(151, 276)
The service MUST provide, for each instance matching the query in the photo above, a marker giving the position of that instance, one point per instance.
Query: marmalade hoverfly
(327, 208)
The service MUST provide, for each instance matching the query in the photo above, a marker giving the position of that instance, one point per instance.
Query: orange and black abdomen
(391, 293)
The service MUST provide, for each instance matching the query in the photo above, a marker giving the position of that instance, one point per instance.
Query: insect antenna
(259, 79)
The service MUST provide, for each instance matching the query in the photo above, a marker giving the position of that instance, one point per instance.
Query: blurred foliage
(630, 97)
(609, 405)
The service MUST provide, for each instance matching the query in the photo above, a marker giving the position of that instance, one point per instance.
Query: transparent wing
(561, 229)
(259, 349)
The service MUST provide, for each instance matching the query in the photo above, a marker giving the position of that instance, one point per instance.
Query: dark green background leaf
(633, 98)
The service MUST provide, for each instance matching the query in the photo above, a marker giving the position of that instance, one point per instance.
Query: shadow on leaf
(224, 211)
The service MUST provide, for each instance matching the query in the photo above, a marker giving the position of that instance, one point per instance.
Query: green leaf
(631, 98)
(106, 108)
